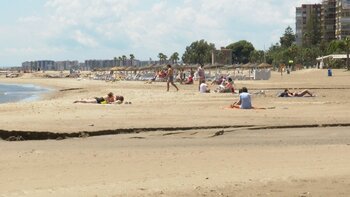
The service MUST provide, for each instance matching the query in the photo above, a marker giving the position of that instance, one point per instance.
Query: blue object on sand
(330, 72)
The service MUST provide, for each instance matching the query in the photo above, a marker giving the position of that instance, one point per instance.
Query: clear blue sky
(103, 29)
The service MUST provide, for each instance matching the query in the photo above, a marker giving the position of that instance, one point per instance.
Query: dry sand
(178, 161)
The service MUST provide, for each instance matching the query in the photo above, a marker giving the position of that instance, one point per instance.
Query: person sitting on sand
(218, 81)
(109, 99)
(203, 88)
(226, 86)
(245, 101)
(287, 93)
(189, 80)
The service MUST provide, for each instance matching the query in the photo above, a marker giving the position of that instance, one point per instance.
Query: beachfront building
(304, 14)
(328, 18)
(299, 26)
(66, 65)
(223, 56)
(342, 24)
(40, 65)
(333, 15)
(99, 64)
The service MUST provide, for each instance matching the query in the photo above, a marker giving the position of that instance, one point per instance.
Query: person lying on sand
(287, 93)
(109, 99)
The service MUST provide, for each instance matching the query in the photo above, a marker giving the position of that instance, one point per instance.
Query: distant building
(342, 23)
(223, 56)
(98, 64)
(66, 65)
(40, 65)
(328, 20)
(303, 15)
(334, 17)
(299, 26)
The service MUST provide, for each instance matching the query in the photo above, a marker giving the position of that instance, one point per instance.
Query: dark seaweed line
(45, 135)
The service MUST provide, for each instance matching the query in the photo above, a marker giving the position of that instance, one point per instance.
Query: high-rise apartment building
(342, 23)
(304, 14)
(333, 16)
(328, 18)
(299, 26)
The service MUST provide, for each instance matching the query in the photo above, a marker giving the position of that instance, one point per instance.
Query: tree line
(200, 52)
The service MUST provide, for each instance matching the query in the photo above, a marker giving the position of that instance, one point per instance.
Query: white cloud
(111, 28)
(84, 39)
(29, 19)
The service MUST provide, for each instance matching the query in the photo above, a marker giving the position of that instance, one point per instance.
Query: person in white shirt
(203, 88)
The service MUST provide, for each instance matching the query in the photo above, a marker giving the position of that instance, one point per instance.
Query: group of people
(226, 85)
(245, 101)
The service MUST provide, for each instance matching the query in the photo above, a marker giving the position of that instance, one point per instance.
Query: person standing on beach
(170, 75)
(201, 74)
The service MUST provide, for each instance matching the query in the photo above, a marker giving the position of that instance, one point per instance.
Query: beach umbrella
(265, 65)
(248, 65)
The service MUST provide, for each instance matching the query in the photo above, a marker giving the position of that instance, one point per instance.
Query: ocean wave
(20, 92)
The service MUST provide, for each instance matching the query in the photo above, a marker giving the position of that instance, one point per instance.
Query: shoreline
(37, 92)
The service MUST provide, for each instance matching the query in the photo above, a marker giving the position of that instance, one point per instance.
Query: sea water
(14, 92)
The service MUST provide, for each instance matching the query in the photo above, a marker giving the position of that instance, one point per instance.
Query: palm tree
(161, 57)
(115, 61)
(165, 58)
(120, 61)
(132, 57)
(124, 59)
(174, 57)
(347, 44)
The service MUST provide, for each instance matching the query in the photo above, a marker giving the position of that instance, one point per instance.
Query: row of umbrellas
(186, 67)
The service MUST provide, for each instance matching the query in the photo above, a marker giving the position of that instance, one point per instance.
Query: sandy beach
(170, 143)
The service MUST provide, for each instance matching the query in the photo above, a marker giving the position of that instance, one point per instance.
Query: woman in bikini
(102, 100)
(302, 93)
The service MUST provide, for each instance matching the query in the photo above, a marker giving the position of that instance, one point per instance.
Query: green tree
(120, 61)
(162, 58)
(347, 45)
(124, 59)
(241, 51)
(336, 46)
(132, 57)
(174, 57)
(257, 56)
(288, 38)
(312, 35)
(199, 52)
(115, 61)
